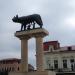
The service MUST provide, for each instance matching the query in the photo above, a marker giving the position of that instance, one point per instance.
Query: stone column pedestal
(39, 54)
(34, 73)
(24, 55)
(38, 34)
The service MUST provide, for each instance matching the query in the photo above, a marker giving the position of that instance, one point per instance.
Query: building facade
(12, 64)
(59, 58)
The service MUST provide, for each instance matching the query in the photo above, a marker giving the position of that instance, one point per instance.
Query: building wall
(12, 65)
(50, 57)
(9, 65)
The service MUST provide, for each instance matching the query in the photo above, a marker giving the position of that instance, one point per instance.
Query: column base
(33, 73)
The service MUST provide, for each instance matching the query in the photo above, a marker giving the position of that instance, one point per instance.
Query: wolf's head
(15, 19)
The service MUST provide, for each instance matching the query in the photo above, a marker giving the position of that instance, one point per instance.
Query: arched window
(18, 68)
(10, 69)
(13, 69)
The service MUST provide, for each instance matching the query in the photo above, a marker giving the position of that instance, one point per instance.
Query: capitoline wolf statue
(27, 21)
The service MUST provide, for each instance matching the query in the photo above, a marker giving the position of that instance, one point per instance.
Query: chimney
(69, 48)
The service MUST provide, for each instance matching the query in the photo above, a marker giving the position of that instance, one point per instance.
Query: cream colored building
(59, 58)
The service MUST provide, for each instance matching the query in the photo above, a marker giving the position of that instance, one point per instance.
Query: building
(59, 58)
(12, 64)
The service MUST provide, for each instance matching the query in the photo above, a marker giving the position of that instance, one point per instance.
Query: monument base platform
(34, 73)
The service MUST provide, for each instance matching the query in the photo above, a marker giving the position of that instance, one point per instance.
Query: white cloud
(70, 22)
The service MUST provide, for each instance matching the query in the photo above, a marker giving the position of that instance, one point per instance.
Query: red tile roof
(55, 44)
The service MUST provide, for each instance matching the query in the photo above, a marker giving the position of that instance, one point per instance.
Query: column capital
(39, 32)
(24, 38)
(39, 35)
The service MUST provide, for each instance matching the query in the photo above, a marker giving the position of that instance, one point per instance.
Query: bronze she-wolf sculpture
(28, 20)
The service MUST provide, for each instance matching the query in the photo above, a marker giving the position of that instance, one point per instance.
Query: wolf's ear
(16, 16)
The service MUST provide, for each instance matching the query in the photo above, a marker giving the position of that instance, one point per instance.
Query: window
(56, 64)
(5, 68)
(69, 48)
(10, 69)
(18, 68)
(72, 64)
(72, 60)
(3, 62)
(13, 69)
(48, 64)
(19, 61)
(51, 47)
(65, 63)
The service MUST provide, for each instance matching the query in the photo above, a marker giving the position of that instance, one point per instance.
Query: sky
(58, 18)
